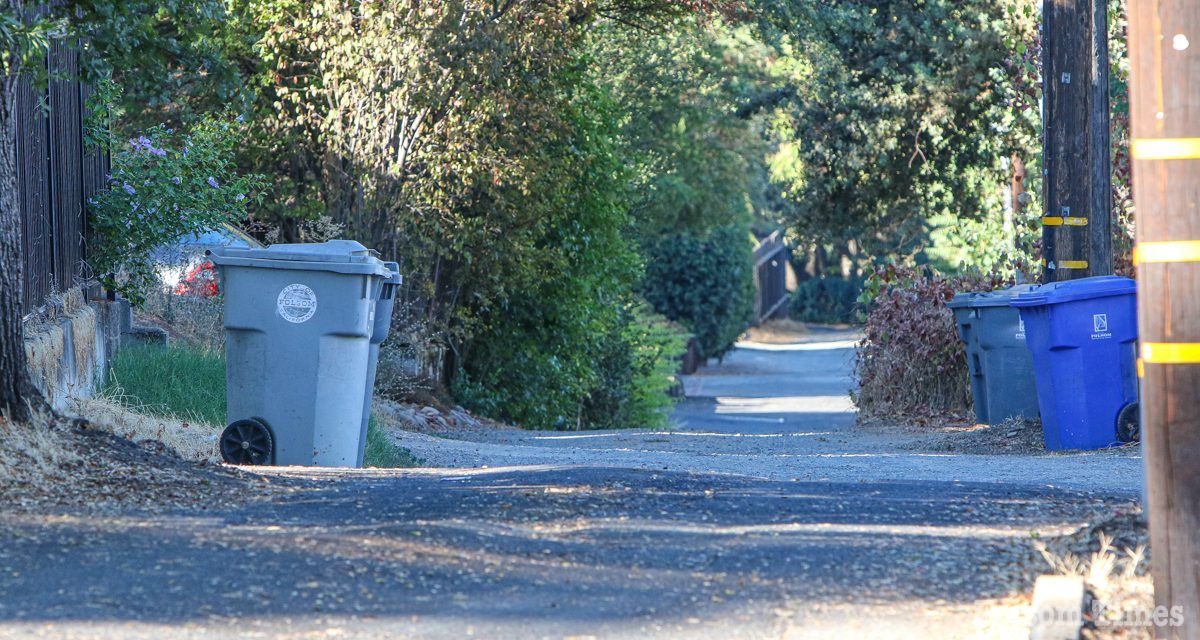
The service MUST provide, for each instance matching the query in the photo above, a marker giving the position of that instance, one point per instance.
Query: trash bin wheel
(1129, 423)
(247, 442)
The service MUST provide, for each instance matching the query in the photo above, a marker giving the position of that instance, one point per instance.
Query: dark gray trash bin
(383, 323)
(299, 319)
(1001, 368)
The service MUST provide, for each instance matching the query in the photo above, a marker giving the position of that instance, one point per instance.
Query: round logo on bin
(296, 303)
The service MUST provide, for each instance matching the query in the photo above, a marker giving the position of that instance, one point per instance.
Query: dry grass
(1113, 558)
(34, 453)
(189, 439)
(194, 320)
(784, 331)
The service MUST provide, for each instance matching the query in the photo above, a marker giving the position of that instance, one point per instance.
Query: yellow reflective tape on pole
(1141, 367)
(1167, 251)
(1171, 352)
(1069, 221)
(1073, 264)
(1165, 148)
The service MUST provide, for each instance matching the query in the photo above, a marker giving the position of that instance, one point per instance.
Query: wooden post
(1077, 236)
(1164, 45)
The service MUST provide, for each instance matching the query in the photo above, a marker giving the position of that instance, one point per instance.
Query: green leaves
(907, 115)
(703, 281)
(164, 185)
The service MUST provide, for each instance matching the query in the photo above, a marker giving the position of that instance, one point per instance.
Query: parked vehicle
(183, 268)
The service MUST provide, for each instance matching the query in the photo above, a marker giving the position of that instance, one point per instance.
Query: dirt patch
(1014, 436)
(956, 433)
(66, 464)
(455, 423)
(785, 331)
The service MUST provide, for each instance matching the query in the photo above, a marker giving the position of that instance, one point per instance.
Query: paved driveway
(765, 515)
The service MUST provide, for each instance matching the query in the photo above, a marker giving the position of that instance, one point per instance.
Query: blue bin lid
(1082, 289)
(997, 298)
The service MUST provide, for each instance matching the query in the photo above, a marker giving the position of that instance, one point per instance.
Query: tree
(696, 168)
(905, 116)
(694, 164)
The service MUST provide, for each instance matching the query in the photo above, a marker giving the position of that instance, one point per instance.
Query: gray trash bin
(383, 323)
(1000, 365)
(299, 319)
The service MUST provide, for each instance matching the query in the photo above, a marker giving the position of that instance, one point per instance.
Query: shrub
(831, 300)
(533, 354)
(637, 370)
(165, 184)
(911, 360)
(705, 282)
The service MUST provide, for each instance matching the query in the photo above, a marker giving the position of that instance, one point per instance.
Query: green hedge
(705, 282)
(637, 368)
(830, 300)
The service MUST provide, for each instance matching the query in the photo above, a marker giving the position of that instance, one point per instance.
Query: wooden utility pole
(1164, 47)
(1077, 234)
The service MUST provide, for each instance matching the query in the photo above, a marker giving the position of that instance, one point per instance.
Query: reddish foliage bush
(911, 361)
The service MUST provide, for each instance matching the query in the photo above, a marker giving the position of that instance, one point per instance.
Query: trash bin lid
(1082, 289)
(342, 256)
(394, 277)
(997, 298)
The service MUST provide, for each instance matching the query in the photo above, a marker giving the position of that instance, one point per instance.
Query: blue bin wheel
(247, 442)
(1129, 423)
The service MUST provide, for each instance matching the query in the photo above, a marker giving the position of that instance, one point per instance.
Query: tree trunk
(17, 393)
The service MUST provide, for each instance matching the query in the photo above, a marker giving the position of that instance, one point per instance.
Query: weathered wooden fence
(56, 174)
(770, 278)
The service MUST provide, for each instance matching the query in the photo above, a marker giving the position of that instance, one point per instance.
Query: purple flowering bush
(165, 184)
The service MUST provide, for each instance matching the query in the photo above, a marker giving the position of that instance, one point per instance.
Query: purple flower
(128, 188)
(240, 197)
(182, 218)
(240, 118)
(212, 182)
(142, 142)
(177, 180)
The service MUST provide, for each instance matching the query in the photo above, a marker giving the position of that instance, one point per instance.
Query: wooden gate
(770, 278)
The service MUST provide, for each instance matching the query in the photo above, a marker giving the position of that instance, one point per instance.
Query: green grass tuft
(383, 453)
(189, 383)
(177, 381)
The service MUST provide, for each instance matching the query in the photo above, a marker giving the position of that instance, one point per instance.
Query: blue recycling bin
(1082, 335)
